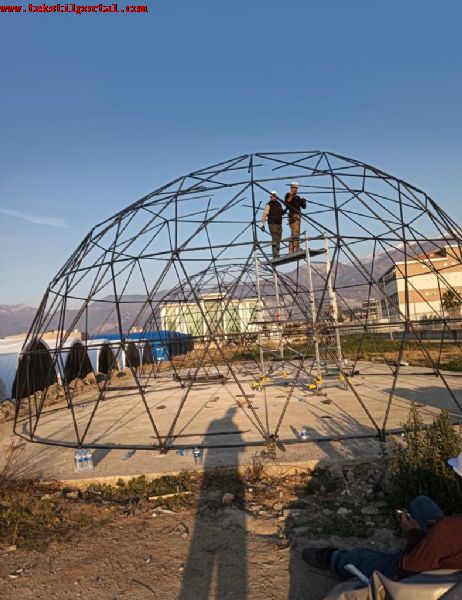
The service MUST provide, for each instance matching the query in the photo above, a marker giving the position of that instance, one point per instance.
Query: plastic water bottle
(197, 456)
(88, 460)
(304, 434)
(77, 460)
(83, 460)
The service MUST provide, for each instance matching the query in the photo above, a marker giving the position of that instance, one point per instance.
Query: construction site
(173, 330)
(235, 393)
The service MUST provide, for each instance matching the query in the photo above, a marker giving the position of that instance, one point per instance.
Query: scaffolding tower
(272, 320)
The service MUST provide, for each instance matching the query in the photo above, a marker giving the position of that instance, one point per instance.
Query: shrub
(418, 465)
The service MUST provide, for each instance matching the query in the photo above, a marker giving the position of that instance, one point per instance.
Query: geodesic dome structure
(332, 342)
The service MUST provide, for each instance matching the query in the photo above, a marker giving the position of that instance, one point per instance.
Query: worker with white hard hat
(294, 205)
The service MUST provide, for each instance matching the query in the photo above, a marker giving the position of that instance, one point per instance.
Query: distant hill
(15, 318)
(350, 281)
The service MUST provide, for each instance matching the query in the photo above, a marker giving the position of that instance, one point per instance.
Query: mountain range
(351, 283)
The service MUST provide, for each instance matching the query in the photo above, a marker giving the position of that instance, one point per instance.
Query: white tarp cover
(10, 353)
(94, 348)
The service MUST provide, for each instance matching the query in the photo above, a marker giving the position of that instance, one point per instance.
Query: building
(215, 313)
(429, 276)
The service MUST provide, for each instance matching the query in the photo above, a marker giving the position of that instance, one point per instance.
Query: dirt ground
(229, 538)
(140, 557)
(143, 557)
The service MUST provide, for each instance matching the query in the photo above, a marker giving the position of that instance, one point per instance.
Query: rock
(300, 532)
(182, 529)
(73, 495)
(343, 511)
(336, 472)
(47, 497)
(227, 499)
(16, 573)
(291, 512)
(278, 506)
(370, 510)
(327, 511)
(166, 511)
(349, 475)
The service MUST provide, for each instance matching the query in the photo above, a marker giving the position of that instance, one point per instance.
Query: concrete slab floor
(216, 414)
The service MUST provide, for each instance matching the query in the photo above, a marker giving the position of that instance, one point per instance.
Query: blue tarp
(165, 343)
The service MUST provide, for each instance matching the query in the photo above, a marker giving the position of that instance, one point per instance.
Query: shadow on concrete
(216, 566)
(430, 396)
(99, 455)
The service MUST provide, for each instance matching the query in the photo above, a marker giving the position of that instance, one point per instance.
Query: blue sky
(97, 110)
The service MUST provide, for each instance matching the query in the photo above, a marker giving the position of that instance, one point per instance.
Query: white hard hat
(294, 184)
(273, 193)
(456, 464)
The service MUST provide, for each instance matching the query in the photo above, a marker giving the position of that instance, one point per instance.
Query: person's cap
(456, 464)
(273, 193)
(294, 184)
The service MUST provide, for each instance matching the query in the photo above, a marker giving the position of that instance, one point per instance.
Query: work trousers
(276, 234)
(423, 509)
(294, 242)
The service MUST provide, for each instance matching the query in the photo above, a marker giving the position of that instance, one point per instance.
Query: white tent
(10, 356)
(10, 351)
(95, 348)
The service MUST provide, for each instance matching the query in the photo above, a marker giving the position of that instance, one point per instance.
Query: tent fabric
(163, 345)
(10, 356)
(94, 349)
(10, 351)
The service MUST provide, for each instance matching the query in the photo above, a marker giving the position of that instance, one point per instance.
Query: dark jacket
(276, 210)
(295, 206)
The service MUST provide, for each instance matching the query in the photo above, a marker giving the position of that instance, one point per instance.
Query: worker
(294, 205)
(273, 212)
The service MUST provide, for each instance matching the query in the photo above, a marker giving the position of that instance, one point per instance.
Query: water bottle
(304, 434)
(197, 456)
(88, 460)
(77, 460)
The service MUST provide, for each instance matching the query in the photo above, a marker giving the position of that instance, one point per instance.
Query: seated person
(433, 542)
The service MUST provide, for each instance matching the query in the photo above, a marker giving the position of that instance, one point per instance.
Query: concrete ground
(216, 414)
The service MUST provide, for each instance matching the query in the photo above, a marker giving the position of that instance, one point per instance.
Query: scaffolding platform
(295, 256)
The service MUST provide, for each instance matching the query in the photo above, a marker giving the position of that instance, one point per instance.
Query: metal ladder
(324, 320)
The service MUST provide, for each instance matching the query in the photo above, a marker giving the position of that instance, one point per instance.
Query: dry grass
(32, 515)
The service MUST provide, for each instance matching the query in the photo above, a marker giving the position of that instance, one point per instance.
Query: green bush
(418, 465)
(452, 365)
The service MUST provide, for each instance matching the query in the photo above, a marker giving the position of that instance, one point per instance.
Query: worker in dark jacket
(273, 212)
(433, 541)
(294, 205)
